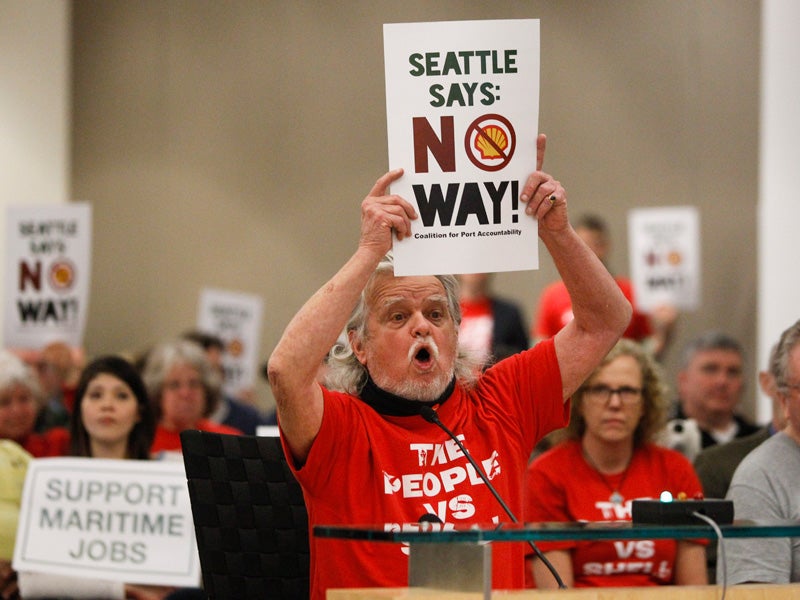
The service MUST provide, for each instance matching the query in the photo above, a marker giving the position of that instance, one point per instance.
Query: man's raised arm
(295, 361)
(601, 311)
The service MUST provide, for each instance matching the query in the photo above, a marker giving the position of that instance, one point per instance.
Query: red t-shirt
(561, 486)
(167, 440)
(555, 311)
(477, 326)
(53, 442)
(365, 468)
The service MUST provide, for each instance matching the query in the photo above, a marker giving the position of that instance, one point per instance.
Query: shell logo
(492, 143)
(62, 275)
(235, 348)
(674, 258)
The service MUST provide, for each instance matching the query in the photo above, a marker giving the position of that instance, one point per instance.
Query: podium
(455, 561)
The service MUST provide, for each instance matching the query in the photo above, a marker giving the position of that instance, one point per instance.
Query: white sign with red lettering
(664, 247)
(235, 318)
(48, 266)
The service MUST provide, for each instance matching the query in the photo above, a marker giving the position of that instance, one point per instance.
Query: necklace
(616, 496)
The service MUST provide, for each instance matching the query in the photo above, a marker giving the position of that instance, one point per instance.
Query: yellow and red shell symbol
(674, 258)
(62, 274)
(235, 348)
(492, 143)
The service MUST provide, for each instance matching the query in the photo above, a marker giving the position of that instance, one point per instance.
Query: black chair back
(249, 516)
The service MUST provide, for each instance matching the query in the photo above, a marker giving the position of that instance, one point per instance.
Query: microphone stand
(427, 413)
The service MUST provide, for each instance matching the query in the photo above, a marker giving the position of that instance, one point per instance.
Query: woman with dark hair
(112, 416)
(609, 459)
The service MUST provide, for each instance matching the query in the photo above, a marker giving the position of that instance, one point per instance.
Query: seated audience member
(491, 326)
(13, 467)
(361, 444)
(710, 384)
(184, 389)
(230, 411)
(607, 461)
(716, 464)
(58, 366)
(20, 401)
(766, 484)
(112, 419)
(554, 309)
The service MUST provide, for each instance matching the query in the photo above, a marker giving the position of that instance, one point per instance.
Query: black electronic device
(681, 512)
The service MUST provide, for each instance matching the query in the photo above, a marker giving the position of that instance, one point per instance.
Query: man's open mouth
(423, 356)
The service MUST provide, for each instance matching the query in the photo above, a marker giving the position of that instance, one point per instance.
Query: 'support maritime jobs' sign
(462, 104)
(120, 520)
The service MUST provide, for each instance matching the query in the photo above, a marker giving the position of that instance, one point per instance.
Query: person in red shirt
(491, 326)
(554, 309)
(359, 445)
(20, 402)
(184, 389)
(608, 460)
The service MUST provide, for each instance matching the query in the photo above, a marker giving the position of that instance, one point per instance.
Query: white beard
(416, 390)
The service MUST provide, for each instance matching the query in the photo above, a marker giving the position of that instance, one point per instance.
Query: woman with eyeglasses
(607, 459)
(184, 389)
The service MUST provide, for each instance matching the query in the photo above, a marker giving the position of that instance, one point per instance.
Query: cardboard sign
(236, 319)
(664, 247)
(48, 250)
(117, 520)
(462, 107)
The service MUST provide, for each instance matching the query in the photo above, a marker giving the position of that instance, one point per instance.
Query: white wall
(34, 107)
(779, 185)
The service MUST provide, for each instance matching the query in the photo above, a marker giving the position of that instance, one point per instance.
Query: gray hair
(13, 371)
(654, 394)
(165, 356)
(789, 339)
(345, 371)
(711, 340)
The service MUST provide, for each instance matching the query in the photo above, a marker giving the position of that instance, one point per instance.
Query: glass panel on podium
(437, 543)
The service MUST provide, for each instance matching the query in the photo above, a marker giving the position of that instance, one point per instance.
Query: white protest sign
(236, 319)
(462, 108)
(48, 251)
(118, 520)
(664, 248)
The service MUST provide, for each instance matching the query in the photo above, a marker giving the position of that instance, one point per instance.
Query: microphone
(427, 413)
(430, 518)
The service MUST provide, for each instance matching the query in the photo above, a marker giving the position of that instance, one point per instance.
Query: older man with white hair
(362, 451)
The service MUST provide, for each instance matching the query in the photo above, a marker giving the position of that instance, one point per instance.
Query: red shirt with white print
(365, 468)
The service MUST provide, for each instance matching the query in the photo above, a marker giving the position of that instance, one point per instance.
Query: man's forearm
(295, 362)
(601, 312)
(597, 302)
(316, 326)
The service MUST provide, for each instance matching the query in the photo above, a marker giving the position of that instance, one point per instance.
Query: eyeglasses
(790, 388)
(174, 385)
(601, 394)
